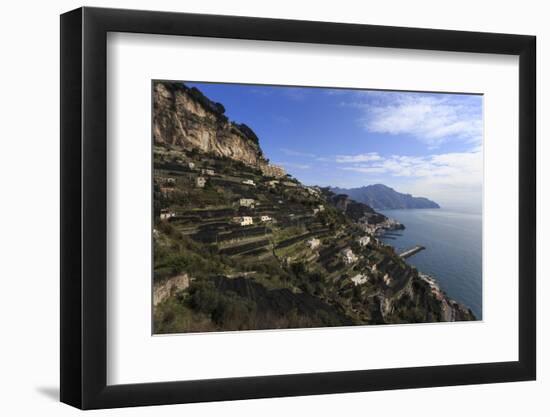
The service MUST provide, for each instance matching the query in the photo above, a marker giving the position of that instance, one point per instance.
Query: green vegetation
(176, 253)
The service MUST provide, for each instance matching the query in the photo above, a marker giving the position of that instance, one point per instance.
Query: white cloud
(292, 152)
(363, 157)
(452, 179)
(459, 164)
(337, 92)
(293, 165)
(431, 119)
(280, 119)
(295, 93)
(262, 91)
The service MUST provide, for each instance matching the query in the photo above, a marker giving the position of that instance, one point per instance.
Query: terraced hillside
(241, 245)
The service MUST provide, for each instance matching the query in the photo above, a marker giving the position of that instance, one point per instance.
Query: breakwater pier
(412, 251)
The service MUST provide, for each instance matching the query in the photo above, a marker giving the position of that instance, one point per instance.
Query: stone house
(348, 256)
(200, 182)
(166, 214)
(246, 202)
(359, 279)
(167, 181)
(246, 221)
(313, 243)
(364, 241)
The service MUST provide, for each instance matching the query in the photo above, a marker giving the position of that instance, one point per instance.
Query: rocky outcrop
(163, 290)
(354, 210)
(422, 300)
(184, 117)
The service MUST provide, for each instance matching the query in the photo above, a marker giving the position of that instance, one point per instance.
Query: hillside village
(240, 244)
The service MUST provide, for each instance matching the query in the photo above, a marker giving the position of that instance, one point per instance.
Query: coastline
(448, 303)
(442, 296)
(435, 267)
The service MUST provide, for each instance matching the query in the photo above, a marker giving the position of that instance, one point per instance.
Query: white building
(246, 202)
(321, 207)
(315, 211)
(364, 241)
(191, 165)
(200, 182)
(265, 218)
(166, 214)
(246, 221)
(207, 171)
(249, 182)
(272, 183)
(313, 243)
(359, 279)
(348, 256)
(370, 229)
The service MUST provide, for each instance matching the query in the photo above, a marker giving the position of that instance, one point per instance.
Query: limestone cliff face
(163, 290)
(183, 116)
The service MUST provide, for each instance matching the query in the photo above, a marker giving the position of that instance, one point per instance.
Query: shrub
(203, 297)
(226, 310)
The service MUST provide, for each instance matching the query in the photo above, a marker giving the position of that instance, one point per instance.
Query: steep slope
(263, 251)
(382, 197)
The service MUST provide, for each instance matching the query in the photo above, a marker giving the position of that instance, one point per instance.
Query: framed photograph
(256, 208)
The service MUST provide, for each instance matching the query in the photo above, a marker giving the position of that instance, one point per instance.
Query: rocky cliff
(184, 117)
(353, 209)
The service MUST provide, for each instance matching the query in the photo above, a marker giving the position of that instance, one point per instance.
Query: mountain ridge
(382, 197)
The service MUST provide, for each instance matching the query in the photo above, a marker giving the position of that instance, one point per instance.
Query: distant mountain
(382, 197)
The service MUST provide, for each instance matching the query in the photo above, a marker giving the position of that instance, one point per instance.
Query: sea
(453, 254)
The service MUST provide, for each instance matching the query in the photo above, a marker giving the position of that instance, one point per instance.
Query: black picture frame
(84, 207)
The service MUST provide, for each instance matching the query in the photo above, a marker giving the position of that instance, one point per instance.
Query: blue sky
(426, 144)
